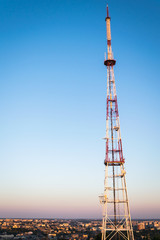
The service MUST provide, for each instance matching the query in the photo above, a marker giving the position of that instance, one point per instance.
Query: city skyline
(52, 102)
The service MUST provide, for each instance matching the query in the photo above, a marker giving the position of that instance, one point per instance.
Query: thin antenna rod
(107, 11)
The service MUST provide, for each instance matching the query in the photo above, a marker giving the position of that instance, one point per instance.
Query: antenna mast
(116, 222)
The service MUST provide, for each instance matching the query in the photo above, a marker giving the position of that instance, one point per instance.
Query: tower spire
(116, 213)
(107, 11)
(110, 61)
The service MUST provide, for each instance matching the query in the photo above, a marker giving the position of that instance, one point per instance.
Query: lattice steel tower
(116, 214)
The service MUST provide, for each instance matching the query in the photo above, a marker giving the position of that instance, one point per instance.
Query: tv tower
(116, 222)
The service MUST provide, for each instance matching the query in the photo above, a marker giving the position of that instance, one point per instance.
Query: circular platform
(109, 62)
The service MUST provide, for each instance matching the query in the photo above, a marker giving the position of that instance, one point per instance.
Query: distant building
(141, 226)
(11, 236)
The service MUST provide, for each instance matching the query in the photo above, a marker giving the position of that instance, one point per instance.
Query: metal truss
(116, 213)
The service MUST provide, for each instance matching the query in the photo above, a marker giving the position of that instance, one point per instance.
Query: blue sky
(52, 104)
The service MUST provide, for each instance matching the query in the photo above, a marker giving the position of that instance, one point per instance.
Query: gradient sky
(52, 105)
